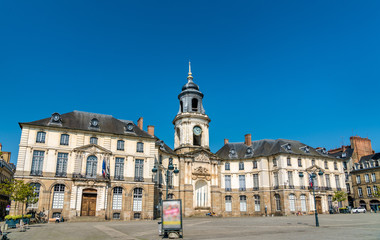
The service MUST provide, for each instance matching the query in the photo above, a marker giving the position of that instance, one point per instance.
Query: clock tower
(191, 123)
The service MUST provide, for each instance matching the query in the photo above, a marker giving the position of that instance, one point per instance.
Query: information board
(172, 214)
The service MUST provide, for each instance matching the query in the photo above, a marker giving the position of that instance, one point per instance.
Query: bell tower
(191, 123)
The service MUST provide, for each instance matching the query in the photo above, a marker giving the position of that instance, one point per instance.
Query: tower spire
(190, 77)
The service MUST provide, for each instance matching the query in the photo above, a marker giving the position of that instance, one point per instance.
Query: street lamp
(312, 176)
(169, 170)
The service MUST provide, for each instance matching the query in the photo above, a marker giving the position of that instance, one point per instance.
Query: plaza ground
(339, 226)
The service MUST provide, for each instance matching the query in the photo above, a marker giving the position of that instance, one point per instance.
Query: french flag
(104, 168)
(310, 180)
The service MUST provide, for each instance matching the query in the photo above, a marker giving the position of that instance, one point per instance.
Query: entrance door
(318, 203)
(88, 202)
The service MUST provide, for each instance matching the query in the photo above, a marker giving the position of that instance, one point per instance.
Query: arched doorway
(363, 204)
(201, 193)
(88, 202)
(350, 201)
(374, 205)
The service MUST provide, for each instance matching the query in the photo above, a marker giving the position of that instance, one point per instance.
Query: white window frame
(137, 199)
(117, 201)
(58, 196)
(243, 203)
(257, 203)
(228, 204)
(292, 202)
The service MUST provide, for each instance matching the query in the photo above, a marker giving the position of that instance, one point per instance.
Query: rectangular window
(290, 179)
(366, 178)
(303, 203)
(358, 181)
(243, 203)
(302, 183)
(274, 162)
(337, 182)
(375, 189)
(37, 163)
(242, 182)
(348, 188)
(292, 204)
(227, 166)
(335, 166)
(40, 137)
(139, 170)
(119, 168)
(93, 140)
(312, 162)
(257, 203)
(241, 165)
(140, 147)
(289, 161)
(369, 191)
(64, 139)
(328, 185)
(278, 202)
(299, 162)
(326, 165)
(255, 181)
(120, 145)
(329, 202)
(61, 164)
(373, 176)
(227, 179)
(255, 164)
(275, 176)
(360, 192)
(228, 204)
(344, 165)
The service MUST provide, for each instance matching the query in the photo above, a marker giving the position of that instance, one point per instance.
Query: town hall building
(88, 164)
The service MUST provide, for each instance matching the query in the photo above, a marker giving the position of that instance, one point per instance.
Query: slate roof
(165, 148)
(267, 147)
(375, 156)
(78, 120)
(349, 151)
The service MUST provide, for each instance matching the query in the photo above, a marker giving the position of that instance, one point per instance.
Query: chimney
(140, 123)
(248, 139)
(225, 141)
(151, 130)
(1, 147)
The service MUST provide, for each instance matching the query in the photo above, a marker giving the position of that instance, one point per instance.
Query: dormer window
(93, 140)
(249, 151)
(55, 118)
(344, 155)
(306, 149)
(94, 123)
(232, 153)
(129, 127)
(287, 147)
(40, 137)
(324, 151)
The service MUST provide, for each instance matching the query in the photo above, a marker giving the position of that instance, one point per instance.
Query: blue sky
(301, 70)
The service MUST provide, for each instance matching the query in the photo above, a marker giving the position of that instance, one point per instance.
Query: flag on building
(310, 180)
(104, 168)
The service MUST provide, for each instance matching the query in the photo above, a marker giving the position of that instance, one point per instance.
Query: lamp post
(169, 170)
(312, 176)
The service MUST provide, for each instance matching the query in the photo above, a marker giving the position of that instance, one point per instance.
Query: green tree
(376, 194)
(339, 196)
(19, 192)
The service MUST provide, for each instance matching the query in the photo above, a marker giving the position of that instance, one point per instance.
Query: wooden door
(318, 202)
(88, 205)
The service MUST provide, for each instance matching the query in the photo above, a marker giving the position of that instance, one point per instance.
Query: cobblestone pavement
(340, 226)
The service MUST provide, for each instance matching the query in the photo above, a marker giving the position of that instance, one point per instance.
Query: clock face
(56, 117)
(197, 131)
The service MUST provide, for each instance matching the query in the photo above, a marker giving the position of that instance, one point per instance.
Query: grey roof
(81, 121)
(375, 156)
(349, 151)
(165, 148)
(266, 147)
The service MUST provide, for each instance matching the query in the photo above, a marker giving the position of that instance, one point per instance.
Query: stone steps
(87, 219)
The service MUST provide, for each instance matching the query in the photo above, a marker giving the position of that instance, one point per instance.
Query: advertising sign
(172, 214)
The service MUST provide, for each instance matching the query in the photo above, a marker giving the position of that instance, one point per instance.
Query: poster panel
(171, 214)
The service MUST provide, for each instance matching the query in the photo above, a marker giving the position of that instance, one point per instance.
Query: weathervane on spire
(190, 77)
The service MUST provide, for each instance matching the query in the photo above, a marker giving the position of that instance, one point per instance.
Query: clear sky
(301, 70)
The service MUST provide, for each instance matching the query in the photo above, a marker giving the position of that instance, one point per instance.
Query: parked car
(359, 210)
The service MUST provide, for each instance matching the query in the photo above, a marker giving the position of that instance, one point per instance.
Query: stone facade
(7, 170)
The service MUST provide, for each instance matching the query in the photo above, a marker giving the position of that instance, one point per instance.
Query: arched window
(64, 139)
(137, 199)
(178, 131)
(181, 104)
(243, 203)
(36, 190)
(40, 137)
(120, 145)
(303, 203)
(58, 196)
(93, 140)
(197, 136)
(92, 163)
(257, 203)
(117, 198)
(292, 205)
(201, 193)
(278, 202)
(228, 204)
(194, 105)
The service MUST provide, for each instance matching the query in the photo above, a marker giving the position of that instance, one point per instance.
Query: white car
(359, 210)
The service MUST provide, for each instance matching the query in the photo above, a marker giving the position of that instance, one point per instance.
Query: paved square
(340, 226)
